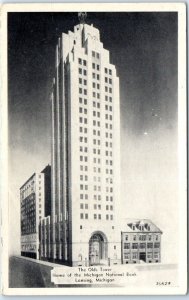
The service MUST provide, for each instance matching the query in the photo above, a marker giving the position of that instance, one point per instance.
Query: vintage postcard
(93, 152)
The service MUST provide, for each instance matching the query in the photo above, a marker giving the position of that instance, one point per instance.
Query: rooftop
(139, 225)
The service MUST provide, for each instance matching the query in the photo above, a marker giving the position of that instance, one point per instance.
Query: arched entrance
(98, 249)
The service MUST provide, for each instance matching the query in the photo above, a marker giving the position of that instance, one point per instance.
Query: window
(110, 72)
(142, 245)
(126, 246)
(85, 72)
(106, 70)
(81, 216)
(99, 216)
(95, 216)
(80, 81)
(142, 237)
(86, 216)
(80, 100)
(80, 90)
(80, 71)
(81, 205)
(150, 245)
(93, 75)
(126, 237)
(84, 62)
(135, 255)
(134, 246)
(93, 54)
(126, 256)
(156, 255)
(93, 65)
(80, 61)
(107, 217)
(156, 245)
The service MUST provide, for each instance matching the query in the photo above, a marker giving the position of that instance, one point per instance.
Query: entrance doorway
(142, 256)
(97, 249)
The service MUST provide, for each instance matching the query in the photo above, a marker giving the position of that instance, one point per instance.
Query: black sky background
(142, 46)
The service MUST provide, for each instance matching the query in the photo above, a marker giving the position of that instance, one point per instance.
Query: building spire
(82, 17)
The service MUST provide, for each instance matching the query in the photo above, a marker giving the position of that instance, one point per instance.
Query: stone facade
(141, 242)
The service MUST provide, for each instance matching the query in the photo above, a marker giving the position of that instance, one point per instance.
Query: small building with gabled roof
(140, 241)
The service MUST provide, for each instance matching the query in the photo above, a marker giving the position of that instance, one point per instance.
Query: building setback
(85, 151)
(33, 198)
(141, 242)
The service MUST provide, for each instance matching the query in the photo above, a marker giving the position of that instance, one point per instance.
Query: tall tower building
(85, 151)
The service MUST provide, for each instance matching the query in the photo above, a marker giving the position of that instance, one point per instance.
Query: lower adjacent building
(140, 242)
(35, 202)
(45, 238)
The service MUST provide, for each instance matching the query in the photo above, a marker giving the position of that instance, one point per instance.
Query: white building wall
(81, 230)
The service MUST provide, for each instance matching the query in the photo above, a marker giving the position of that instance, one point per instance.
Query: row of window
(83, 206)
(108, 107)
(96, 76)
(108, 80)
(136, 256)
(82, 101)
(82, 62)
(96, 66)
(108, 89)
(96, 113)
(82, 72)
(95, 85)
(83, 129)
(108, 126)
(107, 98)
(82, 81)
(108, 71)
(95, 54)
(142, 237)
(82, 91)
(140, 245)
(96, 197)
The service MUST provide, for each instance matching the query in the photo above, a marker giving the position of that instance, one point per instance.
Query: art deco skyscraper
(85, 151)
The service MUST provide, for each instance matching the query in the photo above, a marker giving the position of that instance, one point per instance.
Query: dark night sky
(143, 46)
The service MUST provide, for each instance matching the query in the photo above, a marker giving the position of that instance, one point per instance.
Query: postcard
(93, 156)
